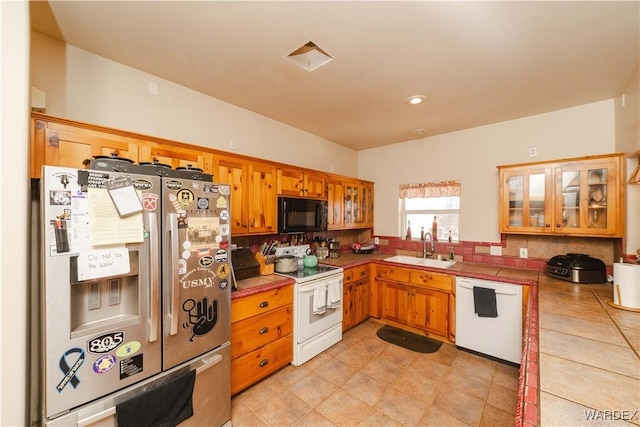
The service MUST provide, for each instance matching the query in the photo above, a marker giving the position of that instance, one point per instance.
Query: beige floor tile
(261, 393)
(371, 344)
(502, 398)
(437, 417)
(243, 416)
(376, 418)
(342, 409)
(474, 386)
(587, 385)
(559, 412)
(614, 358)
(398, 356)
(604, 331)
(286, 410)
(423, 389)
(313, 419)
(495, 417)
(313, 389)
(430, 368)
(401, 406)
(336, 371)
(506, 376)
(317, 361)
(461, 406)
(382, 370)
(473, 365)
(354, 357)
(365, 388)
(290, 375)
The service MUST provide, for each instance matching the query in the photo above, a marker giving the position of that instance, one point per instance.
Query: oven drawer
(249, 334)
(263, 302)
(250, 368)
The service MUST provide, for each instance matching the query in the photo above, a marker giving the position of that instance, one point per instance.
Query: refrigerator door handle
(208, 363)
(173, 256)
(154, 310)
(82, 422)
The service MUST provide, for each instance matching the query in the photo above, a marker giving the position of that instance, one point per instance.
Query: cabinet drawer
(361, 272)
(347, 276)
(252, 367)
(263, 302)
(392, 273)
(432, 280)
(249, 334)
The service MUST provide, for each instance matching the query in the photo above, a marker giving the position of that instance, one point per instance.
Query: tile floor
(364, 381)
(589, 356)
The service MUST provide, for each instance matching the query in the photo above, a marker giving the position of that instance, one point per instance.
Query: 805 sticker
(105, 343)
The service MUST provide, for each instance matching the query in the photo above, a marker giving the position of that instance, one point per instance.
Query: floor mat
(409, 340)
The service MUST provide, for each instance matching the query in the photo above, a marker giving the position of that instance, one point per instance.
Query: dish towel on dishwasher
(484, 302)
(333, 300)
(319, 300)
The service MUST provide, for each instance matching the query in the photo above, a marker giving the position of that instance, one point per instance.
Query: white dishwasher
(497, 330)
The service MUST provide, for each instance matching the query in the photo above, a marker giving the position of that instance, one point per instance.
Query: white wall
(628, 141)
(472, 156)
(89, 88)
(14, 213)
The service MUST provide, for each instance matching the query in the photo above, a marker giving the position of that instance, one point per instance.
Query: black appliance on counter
(577, 268)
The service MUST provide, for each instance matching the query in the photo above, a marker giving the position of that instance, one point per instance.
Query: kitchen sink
(425, 262)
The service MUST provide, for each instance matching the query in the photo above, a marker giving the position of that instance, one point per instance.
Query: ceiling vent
(310, 56)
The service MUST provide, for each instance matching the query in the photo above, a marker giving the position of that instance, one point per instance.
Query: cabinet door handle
(547, 225)
(264, 330)
(264, 362)
(264, 304)
(558, 225)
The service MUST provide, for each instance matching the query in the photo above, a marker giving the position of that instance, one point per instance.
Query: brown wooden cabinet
(253, 194)
(420, 299)
(67, 145)
(356, 296)
(577, 197)
(255, 184)
(261, 336)
(295, 182)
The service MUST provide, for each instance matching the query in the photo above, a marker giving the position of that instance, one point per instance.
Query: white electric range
(317, 306)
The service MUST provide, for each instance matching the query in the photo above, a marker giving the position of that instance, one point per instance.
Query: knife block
(265, 268)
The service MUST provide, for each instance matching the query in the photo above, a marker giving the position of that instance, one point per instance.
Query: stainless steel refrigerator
(135, 289)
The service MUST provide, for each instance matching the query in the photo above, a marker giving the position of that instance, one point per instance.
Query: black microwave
(301, 215)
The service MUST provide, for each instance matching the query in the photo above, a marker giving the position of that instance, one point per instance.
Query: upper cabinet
(350, 203)
(61, 144)
(253, 194)
(578, 197)
(255, 184)
(295, 182)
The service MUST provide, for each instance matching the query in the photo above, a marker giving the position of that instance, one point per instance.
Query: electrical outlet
(533, 151)
(495, 250)
(376, 240)
(233, 144)
(524, 253)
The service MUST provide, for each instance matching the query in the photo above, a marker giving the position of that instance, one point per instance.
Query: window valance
(430, 189)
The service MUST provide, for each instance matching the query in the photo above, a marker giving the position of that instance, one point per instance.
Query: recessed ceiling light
(419, 132)
(415, 99)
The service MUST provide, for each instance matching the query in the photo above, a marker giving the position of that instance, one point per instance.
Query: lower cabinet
(261, 336)
(423, 300)
(356, 296)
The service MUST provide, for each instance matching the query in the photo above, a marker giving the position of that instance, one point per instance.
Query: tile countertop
(580, 356)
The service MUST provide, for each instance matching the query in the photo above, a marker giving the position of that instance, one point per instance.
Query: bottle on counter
(451, 254)
(434, 229)
(421, 233)
(408, 237)
(450, 236)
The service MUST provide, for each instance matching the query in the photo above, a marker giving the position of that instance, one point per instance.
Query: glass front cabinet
(580, 197)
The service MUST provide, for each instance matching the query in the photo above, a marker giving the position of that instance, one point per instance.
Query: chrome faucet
(427, 238)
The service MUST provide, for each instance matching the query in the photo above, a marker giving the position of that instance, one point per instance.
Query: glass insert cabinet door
(529, 199)
(584, 199)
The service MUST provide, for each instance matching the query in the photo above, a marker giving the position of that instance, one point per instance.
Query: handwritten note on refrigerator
(106, 226)
(104, 262)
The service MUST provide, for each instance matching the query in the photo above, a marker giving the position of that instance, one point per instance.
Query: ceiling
(476, 63)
